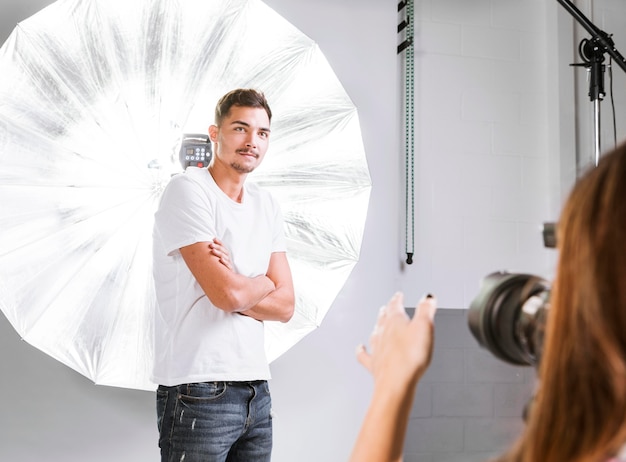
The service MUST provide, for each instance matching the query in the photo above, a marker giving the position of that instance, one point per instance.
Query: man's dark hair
(244, 97)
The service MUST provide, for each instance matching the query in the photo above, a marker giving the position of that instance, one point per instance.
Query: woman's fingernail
(430, 306)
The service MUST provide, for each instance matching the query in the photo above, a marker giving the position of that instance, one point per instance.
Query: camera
(508, 316)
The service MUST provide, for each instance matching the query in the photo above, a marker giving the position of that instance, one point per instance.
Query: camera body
(508, 316)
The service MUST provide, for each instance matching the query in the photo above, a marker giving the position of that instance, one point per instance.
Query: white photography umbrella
(95, 97)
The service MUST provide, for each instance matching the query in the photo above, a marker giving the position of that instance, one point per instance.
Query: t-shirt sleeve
(185, 215)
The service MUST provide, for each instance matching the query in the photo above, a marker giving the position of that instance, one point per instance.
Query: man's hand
(220, 251)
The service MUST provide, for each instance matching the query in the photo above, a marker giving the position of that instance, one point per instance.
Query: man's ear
(213, 133)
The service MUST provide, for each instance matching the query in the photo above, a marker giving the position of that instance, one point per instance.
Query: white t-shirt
(194, 340)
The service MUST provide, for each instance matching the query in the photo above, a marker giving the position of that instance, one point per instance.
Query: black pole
(599, 37)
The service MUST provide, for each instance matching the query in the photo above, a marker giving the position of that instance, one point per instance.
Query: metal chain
(409, 67)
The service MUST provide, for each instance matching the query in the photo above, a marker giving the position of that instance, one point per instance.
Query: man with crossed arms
(220, 271)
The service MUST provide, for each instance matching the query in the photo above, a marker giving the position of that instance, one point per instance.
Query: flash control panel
(195, 150)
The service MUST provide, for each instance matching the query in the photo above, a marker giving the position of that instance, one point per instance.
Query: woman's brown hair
(579, 412)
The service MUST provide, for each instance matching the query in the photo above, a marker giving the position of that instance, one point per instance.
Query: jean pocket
(205, 391)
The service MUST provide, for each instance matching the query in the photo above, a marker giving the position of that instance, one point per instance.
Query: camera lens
(508, 316)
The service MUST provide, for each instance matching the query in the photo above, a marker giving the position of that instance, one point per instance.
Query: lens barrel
(508, 316)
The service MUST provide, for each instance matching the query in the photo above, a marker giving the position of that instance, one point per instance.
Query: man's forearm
(242, 293)
(278, 305)
(266, 298)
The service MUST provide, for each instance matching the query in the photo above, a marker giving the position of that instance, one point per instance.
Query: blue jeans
(215, 422)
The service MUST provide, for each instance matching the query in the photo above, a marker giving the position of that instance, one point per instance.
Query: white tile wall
(483, 181)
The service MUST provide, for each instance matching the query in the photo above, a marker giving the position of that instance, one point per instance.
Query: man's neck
(228, 180)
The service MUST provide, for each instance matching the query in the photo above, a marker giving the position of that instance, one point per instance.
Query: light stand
(592, 52)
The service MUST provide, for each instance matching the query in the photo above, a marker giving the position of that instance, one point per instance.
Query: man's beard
(241, 169)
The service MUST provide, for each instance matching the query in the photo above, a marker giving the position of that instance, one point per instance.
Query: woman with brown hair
(579, 411)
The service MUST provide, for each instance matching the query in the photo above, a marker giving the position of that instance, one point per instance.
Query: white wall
(483, 158)
(494, 132)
